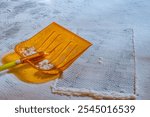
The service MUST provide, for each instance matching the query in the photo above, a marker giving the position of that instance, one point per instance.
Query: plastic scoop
(55, 44)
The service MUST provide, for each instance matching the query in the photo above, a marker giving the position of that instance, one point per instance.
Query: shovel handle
(22, 60)
(9, 65)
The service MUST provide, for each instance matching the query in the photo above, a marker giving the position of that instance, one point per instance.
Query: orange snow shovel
(57, 45)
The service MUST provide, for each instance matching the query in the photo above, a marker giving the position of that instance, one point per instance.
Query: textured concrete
(19, 20)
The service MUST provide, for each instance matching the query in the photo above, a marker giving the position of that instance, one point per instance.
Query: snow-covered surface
(20, 20)
(112, 79)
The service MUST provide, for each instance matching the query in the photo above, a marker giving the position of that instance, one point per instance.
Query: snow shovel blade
(61, 46)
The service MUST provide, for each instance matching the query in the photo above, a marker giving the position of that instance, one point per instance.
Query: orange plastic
(33, 57)
(61, 46)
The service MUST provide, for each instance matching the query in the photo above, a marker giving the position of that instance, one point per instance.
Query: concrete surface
(21, 19)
